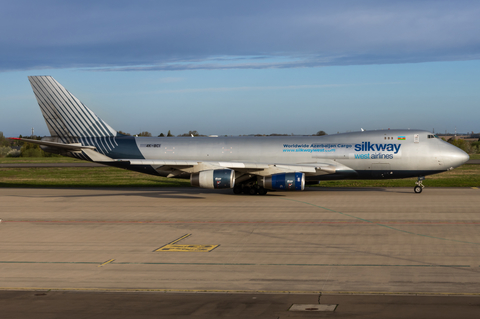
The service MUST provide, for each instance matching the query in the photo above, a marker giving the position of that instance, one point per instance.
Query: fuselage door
(416, 138)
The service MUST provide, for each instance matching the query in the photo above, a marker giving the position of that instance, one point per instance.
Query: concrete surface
(54, 304)
(362, 241)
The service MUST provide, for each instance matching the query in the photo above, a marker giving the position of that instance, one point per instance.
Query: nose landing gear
(419, 185)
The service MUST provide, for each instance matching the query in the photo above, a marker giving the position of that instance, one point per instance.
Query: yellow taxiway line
(107, 262)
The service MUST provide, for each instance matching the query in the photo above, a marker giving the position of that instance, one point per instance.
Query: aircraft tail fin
(67, 118)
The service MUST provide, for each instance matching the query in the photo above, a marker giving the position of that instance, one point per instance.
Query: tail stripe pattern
(56, 129)
(81, 124)
(68, 118)
(102, 130)
(74, 107)
(72, 119)
(61, 120)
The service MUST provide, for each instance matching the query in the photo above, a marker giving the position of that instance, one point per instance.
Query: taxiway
(334, 241)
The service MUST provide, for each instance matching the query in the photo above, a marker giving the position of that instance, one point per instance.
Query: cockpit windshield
(432, 136)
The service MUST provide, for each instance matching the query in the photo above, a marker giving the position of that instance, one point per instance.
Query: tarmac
(375, 249)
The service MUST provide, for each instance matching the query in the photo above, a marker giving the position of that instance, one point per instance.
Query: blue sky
(246, 67)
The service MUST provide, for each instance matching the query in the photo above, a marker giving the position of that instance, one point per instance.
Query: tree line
(195, 133)
(466, 146)
(16, 148)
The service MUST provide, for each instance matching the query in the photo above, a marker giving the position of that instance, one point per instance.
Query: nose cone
(456, 157)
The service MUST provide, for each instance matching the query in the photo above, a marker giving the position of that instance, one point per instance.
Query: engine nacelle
(213, 179)
(284, 182)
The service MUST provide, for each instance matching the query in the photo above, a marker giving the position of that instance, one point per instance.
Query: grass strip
(463, 176)
(83, 177)
(39, 160)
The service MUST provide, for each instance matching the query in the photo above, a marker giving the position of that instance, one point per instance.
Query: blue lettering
(370, 147)
(382, 156)
(362, 156)
(397, 148)
(381, 147)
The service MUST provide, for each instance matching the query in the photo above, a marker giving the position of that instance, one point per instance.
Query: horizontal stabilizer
(67, 147)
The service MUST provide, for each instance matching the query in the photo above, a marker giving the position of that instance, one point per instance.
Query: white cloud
(157, 35)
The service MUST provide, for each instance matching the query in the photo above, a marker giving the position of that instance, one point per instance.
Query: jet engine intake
(284, 181)
(213, 179)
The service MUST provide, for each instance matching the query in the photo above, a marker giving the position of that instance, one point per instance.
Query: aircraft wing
(179, 167)
(175, 168)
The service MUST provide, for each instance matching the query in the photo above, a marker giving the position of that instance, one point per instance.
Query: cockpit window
(432, 136)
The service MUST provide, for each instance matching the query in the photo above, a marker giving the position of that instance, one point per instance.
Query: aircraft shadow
(200, 193)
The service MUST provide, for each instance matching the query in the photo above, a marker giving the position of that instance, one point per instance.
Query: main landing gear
(419, 185)
(249, 190)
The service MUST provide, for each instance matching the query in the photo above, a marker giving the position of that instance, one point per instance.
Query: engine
(213, 179)
(284, 181)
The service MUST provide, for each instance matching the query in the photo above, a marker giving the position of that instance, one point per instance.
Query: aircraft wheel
(252, 191)
(417, 189)
(237, 190)
(246, 190)
(262, 191)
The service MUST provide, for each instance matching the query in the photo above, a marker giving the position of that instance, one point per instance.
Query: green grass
(475, 156)
(464, 176)
(82, 177)
(39, 160)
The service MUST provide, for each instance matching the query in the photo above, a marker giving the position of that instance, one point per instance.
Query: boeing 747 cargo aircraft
(249, 165)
